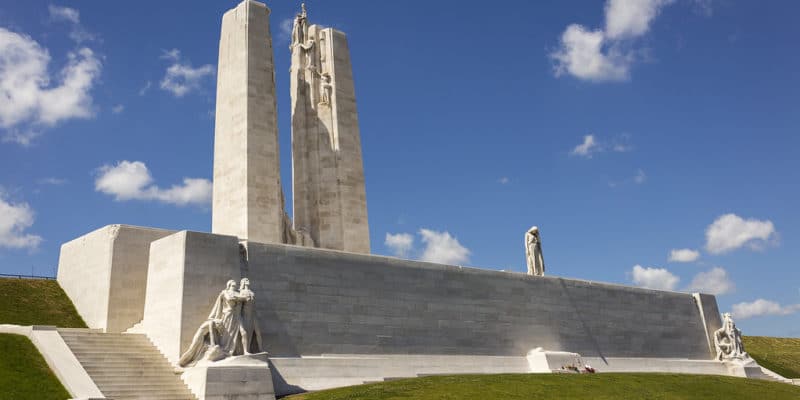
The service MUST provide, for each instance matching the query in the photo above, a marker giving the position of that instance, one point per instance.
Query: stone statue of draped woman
(220, 335)
(533, 252)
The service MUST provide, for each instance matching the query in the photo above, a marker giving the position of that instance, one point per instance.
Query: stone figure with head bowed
(533, 252)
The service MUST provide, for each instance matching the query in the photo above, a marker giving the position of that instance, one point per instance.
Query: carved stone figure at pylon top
(230, 330)
(533, 252)
(728, 341)
(300, 28)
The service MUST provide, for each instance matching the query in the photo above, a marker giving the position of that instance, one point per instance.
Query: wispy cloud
(131, 180)
(592, 145)
(78, 33)
(117, 109)
(400, 244)
(181, 78)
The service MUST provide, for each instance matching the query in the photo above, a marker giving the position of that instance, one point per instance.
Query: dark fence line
(26, 276)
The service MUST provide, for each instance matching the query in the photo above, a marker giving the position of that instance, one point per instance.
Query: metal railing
(20, 276)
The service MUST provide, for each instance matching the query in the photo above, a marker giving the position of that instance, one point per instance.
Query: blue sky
(623, 130)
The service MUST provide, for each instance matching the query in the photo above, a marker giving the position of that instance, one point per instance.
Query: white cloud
(400, 243)
(131, 180)
(600, 55)
(762, 307)
(654, 278)
(15, 219)
(631, 18)
(640, 177)
(29, 102)
(683, 255)
(587, 148)
(285, 29)
(585, 55)
(504, 180)
(73, 17)
(181, 78)
(441, 247)
(118, 109)
(592, 145)
(715, 281)
(52, 181)
(146, 88)
(730, 232)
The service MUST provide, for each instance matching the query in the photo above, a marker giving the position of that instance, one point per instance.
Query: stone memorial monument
(533, 252)
(330, 313)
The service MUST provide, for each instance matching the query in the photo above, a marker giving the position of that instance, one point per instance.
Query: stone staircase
(125, 366)
(774, 376)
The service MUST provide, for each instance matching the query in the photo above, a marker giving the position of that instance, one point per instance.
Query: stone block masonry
(248, 198)
(104, 273)
(326, 302)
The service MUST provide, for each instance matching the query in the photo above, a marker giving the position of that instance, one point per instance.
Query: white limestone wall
(187, 271)
(104, 274)
(247, 188)
(314, 301)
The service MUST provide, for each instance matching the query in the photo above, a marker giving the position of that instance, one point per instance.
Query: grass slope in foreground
(36, 302)
(563, 386)
(781, 355)
(24, 375)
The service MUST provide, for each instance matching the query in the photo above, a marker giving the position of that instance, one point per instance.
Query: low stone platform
(297, 374)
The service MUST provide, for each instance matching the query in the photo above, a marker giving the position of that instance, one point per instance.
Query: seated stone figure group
(728, 341)
(230, 330)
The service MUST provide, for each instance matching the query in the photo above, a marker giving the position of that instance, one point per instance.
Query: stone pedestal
(242, 378)
(541, 361)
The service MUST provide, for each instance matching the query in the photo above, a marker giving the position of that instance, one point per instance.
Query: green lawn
(24, 375)
(781, 355)
(563, 386)
(36, 302)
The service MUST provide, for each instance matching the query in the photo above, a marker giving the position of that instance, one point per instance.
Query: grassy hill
(781, 355)
(24, 375)
(36, 302)
(563, 386)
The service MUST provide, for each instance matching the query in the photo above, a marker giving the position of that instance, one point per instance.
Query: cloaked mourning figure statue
(533, 252)
(728, 341)
(230, 330)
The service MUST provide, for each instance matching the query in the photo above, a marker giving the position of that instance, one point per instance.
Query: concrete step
(126, 366)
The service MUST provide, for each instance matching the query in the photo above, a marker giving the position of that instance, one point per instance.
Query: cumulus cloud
(654, 278)
(441, 247)
(602, 55)
(73, 17)
(400, 244)
(15, 219)
(627, 19)
(730, 232)
(715, 281)
(761, 307)
(131, 180)
(181, 78)
(683, 255)
(30, 99)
